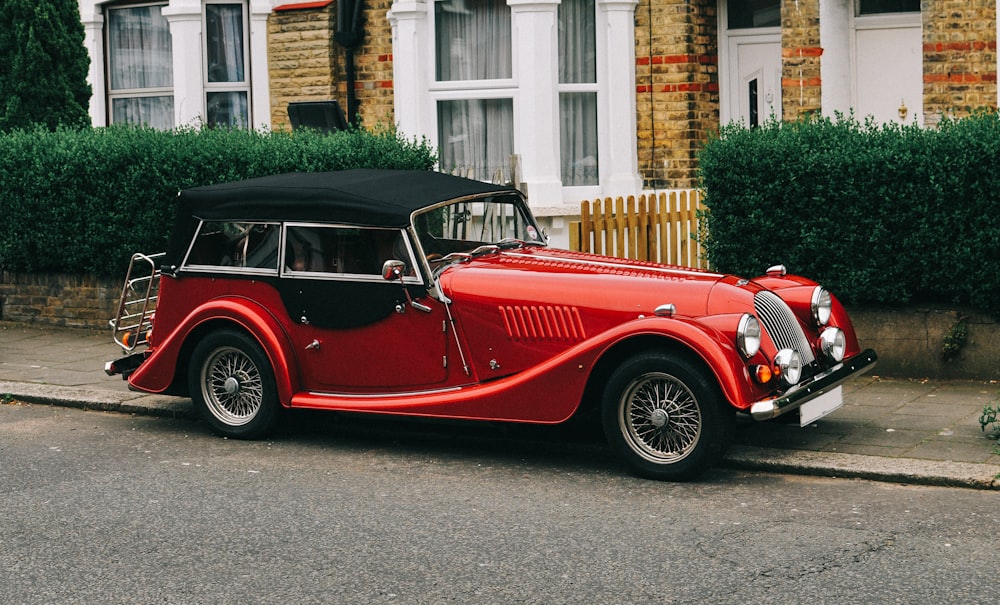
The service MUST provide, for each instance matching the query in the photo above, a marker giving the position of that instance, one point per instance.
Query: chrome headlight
(833, 343)
(748, 335)
(788, 365)
(822, 306)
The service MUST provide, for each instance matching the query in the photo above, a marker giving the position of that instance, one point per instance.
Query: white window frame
(186, 19)
(127, 93)
(467, 90)
(534, 90)
(223, 87)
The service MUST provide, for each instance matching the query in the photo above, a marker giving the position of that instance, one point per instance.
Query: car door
(353, 331)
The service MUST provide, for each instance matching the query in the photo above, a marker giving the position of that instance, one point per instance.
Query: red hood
(560, 277)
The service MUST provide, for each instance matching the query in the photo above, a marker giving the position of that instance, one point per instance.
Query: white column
(616, 130)
(536, 111)
(410, 80)
(260, 78)
(185, 18)
(835, 68)
(93, 40)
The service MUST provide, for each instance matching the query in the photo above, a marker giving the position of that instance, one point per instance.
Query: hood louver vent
(543, 323)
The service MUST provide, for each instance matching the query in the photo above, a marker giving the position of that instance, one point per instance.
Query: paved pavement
(898, 430)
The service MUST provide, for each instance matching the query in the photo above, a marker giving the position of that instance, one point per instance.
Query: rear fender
(167, 361)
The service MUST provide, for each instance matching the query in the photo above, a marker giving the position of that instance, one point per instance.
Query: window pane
(476, 137)
(875, 7)
(139, 53)
(754, 13)
(578, 138)
(241, 245)
(577, 59)
(227, 109)
(156, 112)
(224, 42)
(473, 39)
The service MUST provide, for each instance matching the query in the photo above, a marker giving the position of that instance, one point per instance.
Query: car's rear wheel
(666, 417)
(232, 385)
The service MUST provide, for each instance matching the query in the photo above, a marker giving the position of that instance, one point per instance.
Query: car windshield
(467, 225)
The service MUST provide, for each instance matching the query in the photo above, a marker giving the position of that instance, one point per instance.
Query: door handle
(313, 345)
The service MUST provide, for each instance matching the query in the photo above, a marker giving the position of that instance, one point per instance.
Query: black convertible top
(366, 197)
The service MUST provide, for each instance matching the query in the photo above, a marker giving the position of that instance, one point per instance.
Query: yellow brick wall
(801, 54)
(677, 87)
(301, 60)
(306, 64)
(960, 57)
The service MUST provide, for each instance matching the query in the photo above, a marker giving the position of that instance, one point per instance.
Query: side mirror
(393, 270)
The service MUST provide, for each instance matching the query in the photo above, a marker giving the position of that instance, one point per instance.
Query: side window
(249, 247)
(341, 250)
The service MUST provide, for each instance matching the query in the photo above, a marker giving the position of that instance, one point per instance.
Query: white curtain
(156, 112)
(224, 35)
(476, 136)
(139, 48)
(473, 40)
(577, 109)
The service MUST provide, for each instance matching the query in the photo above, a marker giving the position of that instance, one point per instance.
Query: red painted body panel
(531, 324)
(195, 301)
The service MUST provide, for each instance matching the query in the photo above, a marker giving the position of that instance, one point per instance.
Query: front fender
(158, 372)
(717, 351)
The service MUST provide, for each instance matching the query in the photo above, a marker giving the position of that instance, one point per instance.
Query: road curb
(873, 468)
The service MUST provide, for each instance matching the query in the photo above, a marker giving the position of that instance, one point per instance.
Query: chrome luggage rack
(134, 319)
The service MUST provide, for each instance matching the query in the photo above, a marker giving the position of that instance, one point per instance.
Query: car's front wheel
(232, 385)
(666, 417)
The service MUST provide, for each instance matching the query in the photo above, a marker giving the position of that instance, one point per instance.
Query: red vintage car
(423, 294)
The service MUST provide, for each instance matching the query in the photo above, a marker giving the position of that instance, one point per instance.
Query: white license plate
(813, 410)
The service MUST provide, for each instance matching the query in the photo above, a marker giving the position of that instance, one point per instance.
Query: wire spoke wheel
(660, 417)
(666, 416)
(232, 386)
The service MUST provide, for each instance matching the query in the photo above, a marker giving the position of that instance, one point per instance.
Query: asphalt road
(108, 508)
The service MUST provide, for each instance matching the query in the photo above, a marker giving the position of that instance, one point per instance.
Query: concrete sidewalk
(895, 430)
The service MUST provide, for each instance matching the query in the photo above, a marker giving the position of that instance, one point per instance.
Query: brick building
(596, 97)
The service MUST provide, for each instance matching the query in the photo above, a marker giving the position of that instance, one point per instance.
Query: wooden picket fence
(662, 228)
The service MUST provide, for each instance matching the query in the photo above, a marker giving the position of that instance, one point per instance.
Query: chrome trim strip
(384, 395)
(671, 269)
(767, 409)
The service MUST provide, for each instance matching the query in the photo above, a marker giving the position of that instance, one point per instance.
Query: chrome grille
(779, 321)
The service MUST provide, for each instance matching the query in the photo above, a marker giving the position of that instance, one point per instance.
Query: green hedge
(879, 214)
(85, 200)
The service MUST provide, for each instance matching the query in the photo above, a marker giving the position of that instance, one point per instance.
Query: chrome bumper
(126, 365)
(821, 383)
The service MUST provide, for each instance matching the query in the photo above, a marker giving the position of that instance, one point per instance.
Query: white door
(751, 81)
(888, 68)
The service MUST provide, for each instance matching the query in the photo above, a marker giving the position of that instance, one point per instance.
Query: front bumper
(823, 382)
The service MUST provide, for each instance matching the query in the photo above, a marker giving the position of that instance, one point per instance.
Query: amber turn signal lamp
(763, 374)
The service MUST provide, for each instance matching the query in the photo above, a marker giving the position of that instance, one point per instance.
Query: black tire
(666, 417)
(232, 385)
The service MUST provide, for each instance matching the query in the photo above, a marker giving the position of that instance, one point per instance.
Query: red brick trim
(685, 87)
(796, 82)
(805, 51)
(975, 45)
(960, 78)
(677, 59)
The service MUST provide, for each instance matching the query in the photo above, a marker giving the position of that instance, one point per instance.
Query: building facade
(593, 98)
